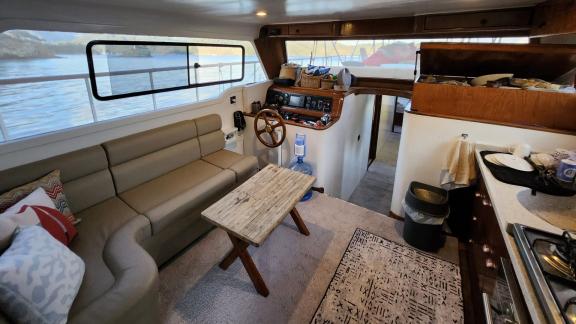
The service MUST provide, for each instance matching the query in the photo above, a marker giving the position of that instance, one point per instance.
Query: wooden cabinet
(484, 249)
(328, 29)
(548, 111)
(480, 20)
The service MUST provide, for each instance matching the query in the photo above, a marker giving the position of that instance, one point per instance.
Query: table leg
(240, 251)
(299, 222)
(231, 257)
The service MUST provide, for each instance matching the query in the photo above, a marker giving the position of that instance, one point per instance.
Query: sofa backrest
(210, 134)
(141, 157)
(84, 175)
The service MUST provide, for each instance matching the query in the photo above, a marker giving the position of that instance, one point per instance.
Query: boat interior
(287, 161)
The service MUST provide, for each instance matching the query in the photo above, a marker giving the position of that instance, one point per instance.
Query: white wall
(426, 140)
(41, 147)
(337, 158)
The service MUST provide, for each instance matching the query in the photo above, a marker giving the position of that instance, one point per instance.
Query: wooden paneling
(547, 62)
(508, 22)
(272, 54)
(505, 19)
(520, 108)
(378, 27)
(554, 17)
(329, 29)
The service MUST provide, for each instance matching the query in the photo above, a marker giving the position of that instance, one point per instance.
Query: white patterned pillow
(39, 278)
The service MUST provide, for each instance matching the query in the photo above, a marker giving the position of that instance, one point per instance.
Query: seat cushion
(99, 223)
(173, 195)
(210, 136)
(244, 166)
(84, 174)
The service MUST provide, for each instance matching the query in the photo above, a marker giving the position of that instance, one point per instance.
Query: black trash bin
(425, 209)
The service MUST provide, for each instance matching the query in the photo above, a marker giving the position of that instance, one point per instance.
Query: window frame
(92, 73)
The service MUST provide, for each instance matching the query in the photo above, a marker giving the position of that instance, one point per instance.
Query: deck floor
(297, 268)
(375, 190)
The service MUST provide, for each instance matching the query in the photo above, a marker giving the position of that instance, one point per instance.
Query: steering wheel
(273, 120)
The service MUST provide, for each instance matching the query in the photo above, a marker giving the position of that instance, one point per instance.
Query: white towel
(460, 166)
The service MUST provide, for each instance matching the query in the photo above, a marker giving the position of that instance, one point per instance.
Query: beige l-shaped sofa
(139, 199)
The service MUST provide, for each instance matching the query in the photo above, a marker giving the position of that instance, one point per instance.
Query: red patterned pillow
(58, 225)
(51, 184)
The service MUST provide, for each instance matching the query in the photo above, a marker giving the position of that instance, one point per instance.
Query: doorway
(375, 190)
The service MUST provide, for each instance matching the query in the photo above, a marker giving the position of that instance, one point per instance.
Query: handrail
(86, 75)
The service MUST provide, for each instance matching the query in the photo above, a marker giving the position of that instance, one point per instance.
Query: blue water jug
(298, 163)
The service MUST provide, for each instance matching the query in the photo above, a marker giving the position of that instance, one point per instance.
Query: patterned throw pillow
(39, 209)
(54, 222)
(39, 278)
(50, 183)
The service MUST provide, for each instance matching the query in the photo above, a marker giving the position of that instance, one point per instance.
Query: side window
(45, 82)
(122, 69)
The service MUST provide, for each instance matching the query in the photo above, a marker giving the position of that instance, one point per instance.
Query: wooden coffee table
(253, 210)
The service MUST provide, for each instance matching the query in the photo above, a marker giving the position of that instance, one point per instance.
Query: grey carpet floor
(375, 190)
(296, 268)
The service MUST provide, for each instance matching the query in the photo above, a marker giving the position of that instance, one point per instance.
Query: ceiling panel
(287, 11)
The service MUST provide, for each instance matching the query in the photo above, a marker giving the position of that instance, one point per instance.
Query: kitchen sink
(556, 210)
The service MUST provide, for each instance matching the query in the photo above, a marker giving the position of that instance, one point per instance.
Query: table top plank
(255, 208)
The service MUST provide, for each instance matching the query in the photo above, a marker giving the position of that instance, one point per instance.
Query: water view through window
(384, 58)
(44, 83)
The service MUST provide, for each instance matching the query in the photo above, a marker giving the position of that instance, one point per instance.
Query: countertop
(508, 210)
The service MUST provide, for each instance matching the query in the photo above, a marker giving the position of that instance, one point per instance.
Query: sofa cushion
(175, 194)
(140, 144)
(148, 167)
(133, 298)
(84, 174)
(210, 136)
(244, 166)
(99, 223)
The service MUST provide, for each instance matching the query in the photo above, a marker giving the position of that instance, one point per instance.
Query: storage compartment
(542, 110)
(480, 20)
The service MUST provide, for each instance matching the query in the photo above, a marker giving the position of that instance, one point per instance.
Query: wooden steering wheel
(273, 120)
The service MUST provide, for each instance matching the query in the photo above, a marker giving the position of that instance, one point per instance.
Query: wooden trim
(381, 92)
(472, 309)
(492, 122)
(500, 48)
(375, 129)
(391, 214)
(289, 122)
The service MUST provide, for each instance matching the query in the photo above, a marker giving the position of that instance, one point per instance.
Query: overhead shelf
(548, 111)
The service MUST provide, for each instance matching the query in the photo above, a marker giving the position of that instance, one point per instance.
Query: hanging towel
(459, 169)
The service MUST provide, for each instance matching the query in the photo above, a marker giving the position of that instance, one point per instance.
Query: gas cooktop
(550, 260)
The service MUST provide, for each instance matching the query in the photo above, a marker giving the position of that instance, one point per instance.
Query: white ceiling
(233, 19)
(286, 11)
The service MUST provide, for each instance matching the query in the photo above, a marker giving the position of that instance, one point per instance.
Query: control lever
(325, 119)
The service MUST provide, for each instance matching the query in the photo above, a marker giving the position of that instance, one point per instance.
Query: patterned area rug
(379, 281)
